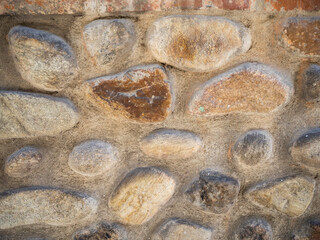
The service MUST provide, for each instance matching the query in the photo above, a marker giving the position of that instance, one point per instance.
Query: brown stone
(141, 93)
(286, 5)
(310, 230)
(253, 229)
(248, 88)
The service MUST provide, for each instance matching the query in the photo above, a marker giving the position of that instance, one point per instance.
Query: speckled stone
(141, 93)
(248, 88)
(291, 195)
(253, 228)
(197, 43)
(311, 82)
(213, 192)
(42, 58)
(141, 194)
(310, 230)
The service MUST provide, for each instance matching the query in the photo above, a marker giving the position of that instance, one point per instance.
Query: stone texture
(248, 88)
(29, 115)
(109, 41)
(43, 205)
(101, 231)
(254, 229)
(43, 59)
(92, 158)
(310, 230)
(141, 194)
(301, 34)
(286, 5)
(197, 43)
(170, 144)
(310, 76)
(306, 149)
(213, 192)
(179, 229)
(21, 163)
(291, 195)
(141, 93)
(253, 147)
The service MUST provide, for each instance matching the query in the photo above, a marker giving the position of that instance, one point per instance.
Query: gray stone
(309, 230)
(44, 205)
(179, 229)
(311, 82)
(42, 58)
(253, 228)
(109, 41)
(170, 144)
(213, 192)
(92, 158)
(21, 163)
(29, 115)
(197, 43)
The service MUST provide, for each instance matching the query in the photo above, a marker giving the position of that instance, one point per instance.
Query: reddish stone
(307, 5)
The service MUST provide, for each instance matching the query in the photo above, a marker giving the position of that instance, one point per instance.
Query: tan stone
(141, 194)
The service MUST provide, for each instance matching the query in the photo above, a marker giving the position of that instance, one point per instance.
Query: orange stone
(307, 5)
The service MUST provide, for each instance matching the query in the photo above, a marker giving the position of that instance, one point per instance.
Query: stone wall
(160, 119)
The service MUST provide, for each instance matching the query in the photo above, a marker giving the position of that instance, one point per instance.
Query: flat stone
(310, 230)
(253, 229)
(179, 229)
(43, 59)
(213, 192)
(92, 158)
(197, 43)
(21, 163)
(109, 41)
(170, 144)
(248, 88)
(141, 194)
(253, 147)
(310, 75)
(287, 5)
(141, 93)
(30, 115)
(306, 149)
(101, 231)
(291, 195)
(302, 34)
(44, 205)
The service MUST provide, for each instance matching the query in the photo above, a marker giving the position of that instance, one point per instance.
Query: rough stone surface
(179, 229)
(248, 88)
(42, 58)
(170, 144)
(109, 41)
(28, 115)
(42, 205)
(253, 147)
(310, 230)
(92, 158)
(302, 34)
(22, 162)
(306, 149)
(291, 195)
(213, 192)
(311, 81)
(142, 93)
(253, 229)
(197, 43)
(141, 194)
(286, 5)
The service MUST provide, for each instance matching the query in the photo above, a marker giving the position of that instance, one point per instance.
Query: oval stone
(44, 205)
(42, 58)
(309, 230)
(310, 76)
(141, 194)
(248, 88)
(197, 43)
(253, 228)
(170, 144)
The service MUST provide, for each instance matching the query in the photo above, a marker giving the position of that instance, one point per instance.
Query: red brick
(307, 5)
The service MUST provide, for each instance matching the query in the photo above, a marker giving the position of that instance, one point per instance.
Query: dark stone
(254, 229)
(308, 231)
(311, 82)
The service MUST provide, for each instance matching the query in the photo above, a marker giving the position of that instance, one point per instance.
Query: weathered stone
(291, 195)
(253, 147)
(42, 58)
(213, 192)
(170, 144)
(100, 232)
(141, 194)
(254, 229)
(28, 115)
(43, 205)
(310, 230)
(306, 149)
(22, 162)
(302, 34)
(197, 43)
(310, 76)
(179, 229)
(92, 158)
(109, 41)
(141, 93)
(286, 5)
(248, 88)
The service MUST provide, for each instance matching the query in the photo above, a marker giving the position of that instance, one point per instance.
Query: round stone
(311, 81)
(254, 229)
(309, 230)
(92, 158)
